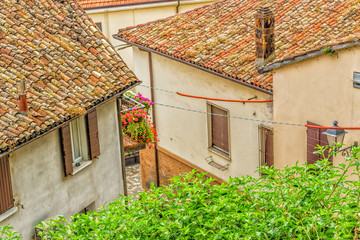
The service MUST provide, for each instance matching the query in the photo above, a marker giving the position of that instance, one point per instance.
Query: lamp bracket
(346, 151)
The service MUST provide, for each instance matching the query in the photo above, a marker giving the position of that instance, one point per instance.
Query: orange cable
(321, 127)
(224, 100)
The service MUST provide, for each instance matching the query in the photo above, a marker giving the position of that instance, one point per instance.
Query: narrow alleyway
(133, 178)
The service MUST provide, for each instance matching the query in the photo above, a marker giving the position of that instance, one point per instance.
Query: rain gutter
(195, 66)
(67, 121)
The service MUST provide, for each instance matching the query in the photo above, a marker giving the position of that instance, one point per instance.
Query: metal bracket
(136, 104)
(346, 151)
(211, 162)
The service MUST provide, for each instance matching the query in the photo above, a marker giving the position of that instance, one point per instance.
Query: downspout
(154, 117)
(108, 34)
(121, 138)
(177, 7)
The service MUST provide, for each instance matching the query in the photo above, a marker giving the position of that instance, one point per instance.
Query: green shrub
(8, 233)
(301, 202)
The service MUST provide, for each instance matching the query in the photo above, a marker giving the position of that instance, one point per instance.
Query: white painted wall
(39, 184)
(319, 90)
(184, 133)
(115, 18)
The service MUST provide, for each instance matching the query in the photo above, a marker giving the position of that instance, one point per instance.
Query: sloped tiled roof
(86, 4)
(221, 37)
(68, 65)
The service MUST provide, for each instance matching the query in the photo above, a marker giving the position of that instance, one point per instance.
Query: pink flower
(136, 119)
(143, 115)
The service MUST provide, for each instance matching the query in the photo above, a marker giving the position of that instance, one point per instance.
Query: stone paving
(133, 178)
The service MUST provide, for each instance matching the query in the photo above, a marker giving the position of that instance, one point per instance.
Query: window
(218, 130)
(99, 25)
(80, 142)
(76, 141)
(266, 146)
(314, 138)
(6, 193)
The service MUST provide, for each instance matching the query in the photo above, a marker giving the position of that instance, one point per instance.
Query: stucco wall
(113, 19)
(319, 90)
(185, 133)
(40, 188)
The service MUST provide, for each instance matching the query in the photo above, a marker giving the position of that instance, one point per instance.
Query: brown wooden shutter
(66, 149)
(93, 135)
(266, 146)
(6, 193)
(269, 148)
(219, 129)
(314, 138)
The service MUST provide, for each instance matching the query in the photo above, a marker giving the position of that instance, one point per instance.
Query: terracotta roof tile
(221, 36)
(47, 43)
(86, 4)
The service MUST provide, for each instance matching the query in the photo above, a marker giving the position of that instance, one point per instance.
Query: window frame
(73, 124)
(262, 144)
(82, 138)
(216, 149)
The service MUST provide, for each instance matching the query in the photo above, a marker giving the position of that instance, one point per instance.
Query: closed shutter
(314, 138)
(93, 135)
(66, 149)
(219, 129)
(266, 146)
(269, 148)
(6, 193)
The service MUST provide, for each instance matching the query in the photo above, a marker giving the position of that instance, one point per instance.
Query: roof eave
(126, 4)
(305, 56)
(195, 66)
(36, 136)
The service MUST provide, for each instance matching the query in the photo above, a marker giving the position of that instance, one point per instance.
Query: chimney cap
(264, 11)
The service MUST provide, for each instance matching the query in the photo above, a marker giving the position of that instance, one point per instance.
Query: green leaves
(300, 202)
(8, 233)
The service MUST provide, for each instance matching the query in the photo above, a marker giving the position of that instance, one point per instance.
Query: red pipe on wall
(313, 126)
(224, 100)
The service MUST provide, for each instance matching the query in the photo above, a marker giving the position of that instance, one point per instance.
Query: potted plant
(138, 125)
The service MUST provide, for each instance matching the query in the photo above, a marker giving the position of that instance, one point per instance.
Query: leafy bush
(301, 202)
(8, 233)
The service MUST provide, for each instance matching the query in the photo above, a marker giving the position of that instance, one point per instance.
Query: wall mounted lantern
(337, 136)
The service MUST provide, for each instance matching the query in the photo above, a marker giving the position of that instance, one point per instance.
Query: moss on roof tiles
(221, 35)
(58, 50)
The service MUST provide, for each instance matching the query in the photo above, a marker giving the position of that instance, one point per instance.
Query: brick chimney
(23, 104)
(264, 36)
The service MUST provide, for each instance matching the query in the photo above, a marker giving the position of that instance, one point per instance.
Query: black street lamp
(335, 135)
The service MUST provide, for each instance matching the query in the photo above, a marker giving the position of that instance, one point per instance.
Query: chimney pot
(264, 36)
(23, 104)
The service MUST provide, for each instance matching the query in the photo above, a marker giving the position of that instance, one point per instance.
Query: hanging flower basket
(137, 124)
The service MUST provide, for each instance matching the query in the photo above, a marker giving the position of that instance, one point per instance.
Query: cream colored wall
(319, 90)
(185, 133)
(40, 188)
(113, 19)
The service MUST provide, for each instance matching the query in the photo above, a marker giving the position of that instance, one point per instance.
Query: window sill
(83, 164)
(220, 153)
(8, 213)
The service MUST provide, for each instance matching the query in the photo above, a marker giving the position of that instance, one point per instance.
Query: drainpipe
(121, 138)
(108, 34)
(153, 117)
(177, 7)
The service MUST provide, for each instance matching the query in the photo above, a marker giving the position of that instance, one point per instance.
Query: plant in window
(145, 101)
(137, 124)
